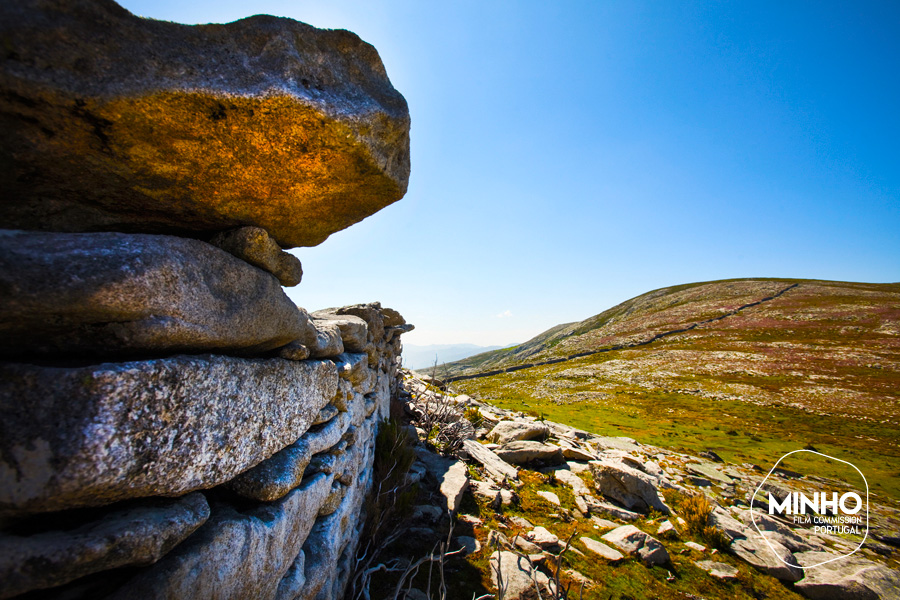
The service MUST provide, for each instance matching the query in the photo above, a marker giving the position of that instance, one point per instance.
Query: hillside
(751, 368)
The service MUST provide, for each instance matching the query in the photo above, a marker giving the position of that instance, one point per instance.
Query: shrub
(695, 510)
(473, 416)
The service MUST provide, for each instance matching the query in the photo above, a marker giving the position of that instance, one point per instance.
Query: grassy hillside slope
(818, 364)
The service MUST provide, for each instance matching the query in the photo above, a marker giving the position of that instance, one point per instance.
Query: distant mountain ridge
(422, 357)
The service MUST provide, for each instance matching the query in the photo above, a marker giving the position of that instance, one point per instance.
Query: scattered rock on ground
(521, 452)
(469, 544)
(451, 475)
(510, 431)
(602, 550)
(542, 537)
(848, 578)
(549, 497)
(719, 570)
(632, 540)
(493, 464)
(517, 577)
(695, 546)
(633, 488)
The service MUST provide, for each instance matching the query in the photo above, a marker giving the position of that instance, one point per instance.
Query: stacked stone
(171, 424)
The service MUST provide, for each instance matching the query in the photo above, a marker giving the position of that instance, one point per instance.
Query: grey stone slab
(117, 294)
(137, 535)
(85, 436)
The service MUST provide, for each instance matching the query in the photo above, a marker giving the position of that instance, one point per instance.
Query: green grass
(684, 421)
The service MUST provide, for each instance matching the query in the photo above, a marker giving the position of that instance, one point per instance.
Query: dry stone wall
(171, 424)
(193, 476)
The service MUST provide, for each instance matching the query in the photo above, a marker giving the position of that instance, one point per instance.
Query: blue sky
(567, 156)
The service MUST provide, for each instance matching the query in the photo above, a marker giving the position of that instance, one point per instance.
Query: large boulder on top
(115, 294)
(115, 122)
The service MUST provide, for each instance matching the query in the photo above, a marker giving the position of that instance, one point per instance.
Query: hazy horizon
(569, 156)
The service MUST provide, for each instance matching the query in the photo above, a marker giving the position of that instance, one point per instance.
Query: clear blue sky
(567, 156)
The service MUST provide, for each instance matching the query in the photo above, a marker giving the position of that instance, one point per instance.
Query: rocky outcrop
(114, 122)
(171, 424)
(515, 577)
(168, 426)
(846, 579)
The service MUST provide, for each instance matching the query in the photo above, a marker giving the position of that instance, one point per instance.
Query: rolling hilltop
(752, 368)
(825, 346)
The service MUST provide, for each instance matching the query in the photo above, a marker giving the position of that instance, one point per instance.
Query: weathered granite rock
(327, 342)
(695, 546)
(526, 546)
(510, 431)
(236, 554)
(136, 535)
(849, 578)
(549, 497)
(517, 579)
(114, 122)
(616, 511)
(719, 570)
(632, 540)
(451, 475)
(331, 545)
(581, 506)
(354, 330)
(275, 477)
(709, 471)
(493, 464)
(667, 530)
(572, 480)
(599, 548)
(293, 351)
(633, 488)
(543, 537)
(371, 313)
(355, 369)
(255, 246)
(759, 553)
(92, 435)
(488, 491)
(603, 523)
(108, 294)
(521, 452)
(392, 318)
